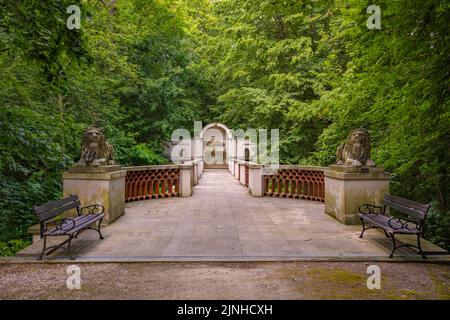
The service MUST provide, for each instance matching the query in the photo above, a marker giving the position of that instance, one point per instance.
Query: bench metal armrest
(92, 209)
(405, 224)
(371, 209)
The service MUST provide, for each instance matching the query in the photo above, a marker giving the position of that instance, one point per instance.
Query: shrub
(11, 247)
(141, 154)
(437, 226)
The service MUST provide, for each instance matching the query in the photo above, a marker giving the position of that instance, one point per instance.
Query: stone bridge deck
(221, 221)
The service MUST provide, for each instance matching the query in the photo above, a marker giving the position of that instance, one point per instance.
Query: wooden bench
(52, 224)
(375, 217)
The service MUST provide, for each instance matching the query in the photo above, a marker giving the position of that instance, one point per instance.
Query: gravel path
(269, 280)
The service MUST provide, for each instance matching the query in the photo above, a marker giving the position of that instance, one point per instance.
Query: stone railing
(301, 182)
(160, 181)
(149, 182)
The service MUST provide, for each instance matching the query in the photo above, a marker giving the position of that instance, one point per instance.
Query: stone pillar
(232, 167)
(242, 173)
(347, 187)
(198, 148)
(236, 169)
(186, 180)
(256, 180)
(98, 185)
(195, 174)
(200, 169)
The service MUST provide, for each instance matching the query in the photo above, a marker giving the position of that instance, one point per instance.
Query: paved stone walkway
(222, 220)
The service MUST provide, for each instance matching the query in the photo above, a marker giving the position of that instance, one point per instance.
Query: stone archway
(216, 142)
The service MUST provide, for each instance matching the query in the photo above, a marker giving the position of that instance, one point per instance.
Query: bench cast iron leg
(395, 245)
(98, 229)
(43, 249)
(364, 228)
(70, 249)
(420, 247)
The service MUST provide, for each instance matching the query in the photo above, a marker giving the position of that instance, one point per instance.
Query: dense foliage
(141, 68)
(314, 70)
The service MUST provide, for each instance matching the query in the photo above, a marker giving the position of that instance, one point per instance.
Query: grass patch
(441, 283)
(342, 284)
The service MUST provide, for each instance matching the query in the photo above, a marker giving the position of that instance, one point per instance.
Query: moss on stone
(441, 285)
(338, 283)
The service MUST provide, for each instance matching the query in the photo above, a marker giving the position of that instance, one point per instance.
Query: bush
(437, 226)
(141, 154)
(11, 247)
(18, 199)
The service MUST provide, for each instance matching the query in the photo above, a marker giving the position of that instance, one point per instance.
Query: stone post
(103, 185)
(195, 173)
(186, 179)
(256, 180)
(242, 173)
(347, 187)
(200, 168)
(236, 169)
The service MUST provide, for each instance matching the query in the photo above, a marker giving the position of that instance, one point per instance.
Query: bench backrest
(54, 208)
(415, 210)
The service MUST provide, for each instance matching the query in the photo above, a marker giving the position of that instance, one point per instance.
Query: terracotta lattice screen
(298, 183)
(151, 183)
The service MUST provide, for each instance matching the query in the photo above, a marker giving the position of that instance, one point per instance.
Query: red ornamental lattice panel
(149, 184)
(296, 183)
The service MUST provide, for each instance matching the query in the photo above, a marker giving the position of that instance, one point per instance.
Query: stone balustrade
(160, 181)
(150, 182)
(300, 182)
(290, 181)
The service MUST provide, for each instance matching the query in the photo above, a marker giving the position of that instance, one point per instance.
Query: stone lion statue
(95, 151)
(356, 151)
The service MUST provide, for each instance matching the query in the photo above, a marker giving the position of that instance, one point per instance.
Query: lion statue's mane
(356, 151)
(95, 151)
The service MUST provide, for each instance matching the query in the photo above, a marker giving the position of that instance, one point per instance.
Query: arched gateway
(216, 142)
(212, 144)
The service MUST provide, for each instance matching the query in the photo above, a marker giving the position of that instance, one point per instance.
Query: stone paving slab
(221, 221)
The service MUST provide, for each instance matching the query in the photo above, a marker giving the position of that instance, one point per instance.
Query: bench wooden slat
(409, 207)
(383, 222)
(78, 220)
(80, 223)
(52, 213)
(408, 203)
(86, 223)
(55, 204)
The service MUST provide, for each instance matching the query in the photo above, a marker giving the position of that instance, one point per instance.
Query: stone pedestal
(200, 168)
(256, 180)
(186, 179)
(101, 185)
(242, 173)
(346, 188)
(232, 166)
(196, 174)
(236, 169)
